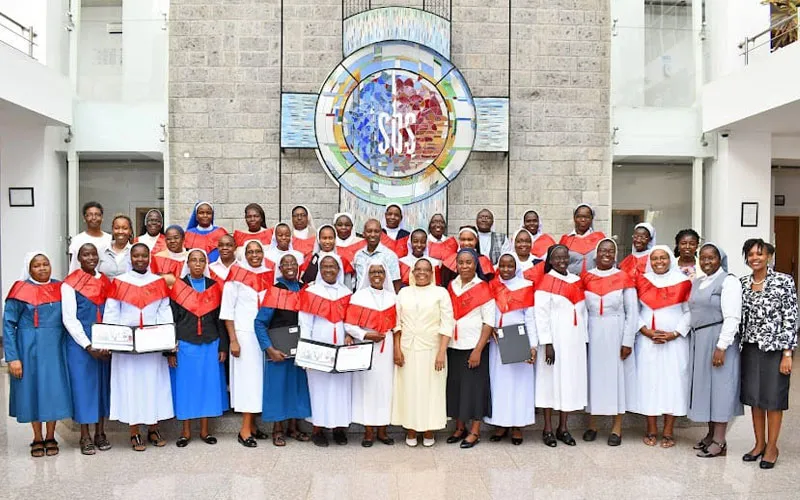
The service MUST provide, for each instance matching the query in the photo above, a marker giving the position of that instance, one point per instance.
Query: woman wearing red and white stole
(440, 246)
(372, 316)
(540, 241)
(644, 239)
(418, 249)
(322, 311)
(303, 231)
(395, 236)
(140, 385)
(662, 350)
(513, 403)
(244, 290)
(613, 322)
(582, 240)
(468, 387)
(153, 235)
(561, 324)
(326, 245)
(201, 231)
(256, 222)
(467, 238)
(347, 241)
(169, 262)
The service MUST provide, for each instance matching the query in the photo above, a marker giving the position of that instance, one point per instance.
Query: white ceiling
(101, 3)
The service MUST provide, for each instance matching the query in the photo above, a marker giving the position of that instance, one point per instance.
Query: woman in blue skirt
(197, 369)
(35, 350)
(285, 385)
(83, 298)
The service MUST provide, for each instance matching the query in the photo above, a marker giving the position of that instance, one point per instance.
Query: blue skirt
(285, 392)
(90, 379)
(198, 383)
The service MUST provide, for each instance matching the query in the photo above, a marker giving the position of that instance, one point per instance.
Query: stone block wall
(226, 79)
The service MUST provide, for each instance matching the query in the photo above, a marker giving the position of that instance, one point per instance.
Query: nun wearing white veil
(322, 311)
(644, 239)
(372, 316)
(715, 305)
(663, 369)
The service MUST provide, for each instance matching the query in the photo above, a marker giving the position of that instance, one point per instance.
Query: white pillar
(740, 174)
(697, 195)
(74, 215)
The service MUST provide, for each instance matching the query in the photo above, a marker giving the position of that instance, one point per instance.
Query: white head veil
(540, 229)
(616, 250)
(518, 267)
(591, 209)
(650, 230)
(673, 261)
(387, 281)
(185, 270)
(277, 270)
(352, 238)
(26, 270)
(723, 257)
(510, 246)
(469, 230)
(317, 248)
(408, 243)
(274, 242)
(339, 276)
(310, 227)
(402, 224)
(246, 265)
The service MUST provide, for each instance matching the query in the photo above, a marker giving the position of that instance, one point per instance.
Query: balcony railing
(16, 35)
(780, 33)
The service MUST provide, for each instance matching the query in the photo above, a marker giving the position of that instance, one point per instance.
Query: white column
(740, 173)
(697, 195)
(74, 215)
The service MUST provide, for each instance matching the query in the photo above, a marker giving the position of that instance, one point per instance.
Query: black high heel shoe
(747, 457)
(768, 465)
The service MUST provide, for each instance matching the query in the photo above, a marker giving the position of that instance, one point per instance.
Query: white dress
(663, 370)
(331, 393)
(561, 320)
(140, 385)
(240, 304)
(372, 389)
(513, 402)
(613, 321)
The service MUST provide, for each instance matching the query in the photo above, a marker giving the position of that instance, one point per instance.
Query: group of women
(667, 332)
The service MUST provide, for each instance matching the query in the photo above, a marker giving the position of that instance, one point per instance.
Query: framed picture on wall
(780, 200)
(749, 214)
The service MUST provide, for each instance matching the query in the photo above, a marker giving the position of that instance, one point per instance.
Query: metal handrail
(745, 47)
(27, 33)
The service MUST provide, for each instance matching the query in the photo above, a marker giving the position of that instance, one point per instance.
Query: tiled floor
(503, 471)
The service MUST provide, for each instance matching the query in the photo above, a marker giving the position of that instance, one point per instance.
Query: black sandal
(50, 447)
(703, 443)
(259, 434)
(277, 439)
(87, 446)
(37, 449)
(101, 442)
(298, 436)
(496, 438)
(209, 439)
(457, 436)
(565, 437)
(137, 444)
(159, 441)
(386, 440)
(182, 442)
(469, 444)
(549, 439)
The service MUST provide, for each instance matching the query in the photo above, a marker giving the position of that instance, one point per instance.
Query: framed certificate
(155, 338)
(112, 337)
(330, 358)
(354, 358)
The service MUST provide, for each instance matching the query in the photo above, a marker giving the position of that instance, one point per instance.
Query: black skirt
(763, 385)
(469, 395)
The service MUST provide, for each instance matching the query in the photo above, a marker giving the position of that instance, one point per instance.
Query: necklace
(754, 282)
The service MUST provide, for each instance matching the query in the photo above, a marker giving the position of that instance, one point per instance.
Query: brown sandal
(51, 447)
(87, 446)
(649, 439)
(667, 441)
(137, 444)
(297, 435)
(154, 437)
(37, 449)
(277, 439)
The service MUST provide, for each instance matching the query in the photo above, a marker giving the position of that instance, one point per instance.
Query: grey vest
(705, 304)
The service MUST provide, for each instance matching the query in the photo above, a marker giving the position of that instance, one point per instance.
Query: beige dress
(423, 314)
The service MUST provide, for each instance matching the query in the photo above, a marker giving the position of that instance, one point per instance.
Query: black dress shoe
(250, 442)
(590, 435)
(387, 440)
(753, 458)
(182, 442)
(614, 440)
(467, 444)
(768, 465)
(319, 439)
(496, 438)
(259, 434)
(455, 437)
(565, 437)
(549, 439)
(367, 443)
(209, 439)
(340, 438)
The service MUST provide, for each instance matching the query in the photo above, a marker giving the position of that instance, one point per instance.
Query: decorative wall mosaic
(297, 120)
(492, 133)
(396, 23)
(414, 216)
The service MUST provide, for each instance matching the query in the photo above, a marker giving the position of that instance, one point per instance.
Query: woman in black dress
(769, 337)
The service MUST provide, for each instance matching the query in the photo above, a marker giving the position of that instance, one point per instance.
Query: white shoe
(411, 442)
(428, 442)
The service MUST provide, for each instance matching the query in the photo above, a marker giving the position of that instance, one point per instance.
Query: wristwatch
(787, 354)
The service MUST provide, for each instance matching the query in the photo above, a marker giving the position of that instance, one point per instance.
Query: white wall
(121, 187)
(100, 55)
(663, 192)
(28, 157)
(145, 51)
(117, 126)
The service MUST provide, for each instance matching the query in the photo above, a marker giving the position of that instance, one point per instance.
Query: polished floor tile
(488, 471)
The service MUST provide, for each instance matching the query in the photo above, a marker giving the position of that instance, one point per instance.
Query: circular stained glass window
(395, 122)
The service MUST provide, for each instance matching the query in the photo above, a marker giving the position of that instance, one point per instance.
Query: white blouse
(69, 315)
(469, 327)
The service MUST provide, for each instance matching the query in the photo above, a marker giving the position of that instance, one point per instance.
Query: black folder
(513, 343)
(285, 339)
